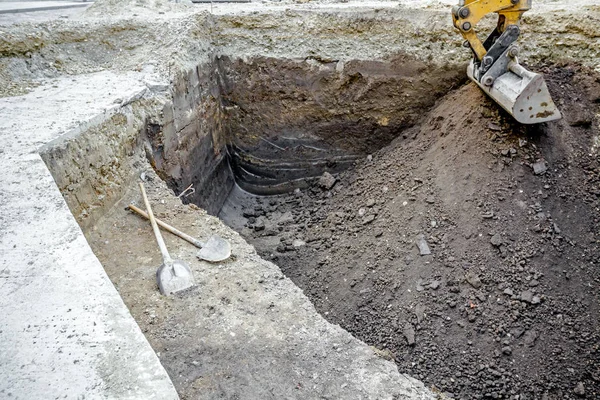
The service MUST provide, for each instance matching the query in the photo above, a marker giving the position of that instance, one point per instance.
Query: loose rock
(409, 334)
(423, 246)
(326, 181)
(473, 280)
(539, 167)
(496, 240)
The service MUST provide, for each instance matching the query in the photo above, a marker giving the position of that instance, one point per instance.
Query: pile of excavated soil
(467, 250)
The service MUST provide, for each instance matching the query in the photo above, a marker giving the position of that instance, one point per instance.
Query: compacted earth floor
(467, 250)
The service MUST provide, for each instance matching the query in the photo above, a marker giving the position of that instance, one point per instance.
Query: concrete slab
(64, 330)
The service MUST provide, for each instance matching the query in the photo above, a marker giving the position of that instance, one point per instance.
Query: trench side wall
(189, 141)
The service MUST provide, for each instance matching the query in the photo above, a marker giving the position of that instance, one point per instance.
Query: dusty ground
(245, 331)
(507, 303)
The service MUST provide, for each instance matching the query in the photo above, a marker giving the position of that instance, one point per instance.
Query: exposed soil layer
(506, 305)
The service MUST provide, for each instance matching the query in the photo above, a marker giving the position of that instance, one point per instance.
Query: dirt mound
(467, 251)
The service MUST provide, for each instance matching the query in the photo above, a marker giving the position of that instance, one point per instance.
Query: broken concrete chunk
(423, 246)
(326, 181)
(539, 167)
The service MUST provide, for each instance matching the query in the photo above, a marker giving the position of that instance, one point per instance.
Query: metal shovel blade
(174, 277)
(215, 249)
(522, 93)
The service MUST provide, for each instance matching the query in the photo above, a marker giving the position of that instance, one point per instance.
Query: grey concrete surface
(64, 330)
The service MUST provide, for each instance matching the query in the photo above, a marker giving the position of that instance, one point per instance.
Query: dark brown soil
(507, 304)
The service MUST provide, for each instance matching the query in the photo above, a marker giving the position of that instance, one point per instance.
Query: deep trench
(271, 126)
(255, 137)
(287, 123)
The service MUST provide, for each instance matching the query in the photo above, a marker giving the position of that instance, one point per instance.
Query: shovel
(173, 275)
(214, 250)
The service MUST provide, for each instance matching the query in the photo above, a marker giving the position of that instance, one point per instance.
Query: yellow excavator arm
(495, 66)
(469, 12)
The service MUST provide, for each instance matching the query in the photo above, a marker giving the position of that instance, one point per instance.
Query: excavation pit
(335, 182)
(504, 306)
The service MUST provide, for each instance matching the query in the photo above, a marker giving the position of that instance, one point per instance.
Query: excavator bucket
(522, 93)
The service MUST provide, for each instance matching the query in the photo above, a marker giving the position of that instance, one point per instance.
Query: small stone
(326, 181)
(496, 240)
(508, 292)
(370, 203)
(298, 243)
(473, 280)
(368, 219)
(556, 229)
(494, 127)
(507, 350)
(362, 211)
(423, 246)
(539, 167)
(430, 200)
(369, 158)
(434, 285)
(536, 300)
(579, 389)
(533, 283)
(488, 215)
(420, 313)
(156, 86)
(526, 296)
(530, 337)
(259, 225)
(409, 334)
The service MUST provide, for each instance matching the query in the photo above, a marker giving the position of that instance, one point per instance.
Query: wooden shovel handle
(168, 227)
(161, 243)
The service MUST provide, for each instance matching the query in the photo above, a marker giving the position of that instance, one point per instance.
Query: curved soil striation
(507, 303)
